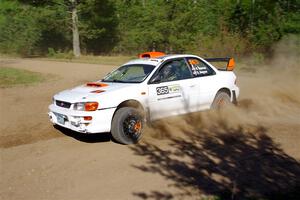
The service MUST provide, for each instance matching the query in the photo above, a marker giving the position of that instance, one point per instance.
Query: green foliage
(224, 44)
(173, 27)
(220, 27)
(19, 32)
(11, 77)
(291, 18)
(55, 27)
(60, 55)
(264, 22)
(98, 25)
(51, 52)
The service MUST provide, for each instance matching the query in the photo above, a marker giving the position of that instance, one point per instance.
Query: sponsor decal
(197, 67)
(174, 88)
(193, 61)
(197, 70)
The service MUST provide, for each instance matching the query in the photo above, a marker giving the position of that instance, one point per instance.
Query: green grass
(11, 77)
(104, 60)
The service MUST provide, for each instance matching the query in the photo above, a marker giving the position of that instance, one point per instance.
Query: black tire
(127, 125)
(221, 100)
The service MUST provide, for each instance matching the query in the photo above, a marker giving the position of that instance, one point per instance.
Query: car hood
(87, 91)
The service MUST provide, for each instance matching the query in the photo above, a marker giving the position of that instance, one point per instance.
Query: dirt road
(248, 151)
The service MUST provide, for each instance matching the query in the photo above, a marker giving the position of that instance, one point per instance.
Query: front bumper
(74, 120)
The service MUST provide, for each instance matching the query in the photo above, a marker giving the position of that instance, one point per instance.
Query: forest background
(127, 27)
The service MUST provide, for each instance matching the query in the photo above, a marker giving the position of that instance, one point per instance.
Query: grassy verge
(104, 60)
(11, 77)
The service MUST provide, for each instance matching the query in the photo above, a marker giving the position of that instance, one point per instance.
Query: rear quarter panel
(225, 79)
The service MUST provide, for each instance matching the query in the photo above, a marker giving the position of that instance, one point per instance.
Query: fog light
(75, 124)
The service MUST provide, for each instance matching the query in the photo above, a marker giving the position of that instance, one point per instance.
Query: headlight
(79, 106)
(86, 106)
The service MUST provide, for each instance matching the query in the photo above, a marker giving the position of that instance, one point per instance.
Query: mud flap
(234, 99)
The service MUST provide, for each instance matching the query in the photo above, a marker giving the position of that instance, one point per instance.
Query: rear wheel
(222, 99)
(127, 125)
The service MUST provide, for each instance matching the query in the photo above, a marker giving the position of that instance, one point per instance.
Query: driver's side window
(174, 70)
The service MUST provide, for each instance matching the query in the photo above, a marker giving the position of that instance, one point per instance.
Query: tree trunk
(76, 42)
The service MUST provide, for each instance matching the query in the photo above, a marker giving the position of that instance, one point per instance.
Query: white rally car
(152, 87)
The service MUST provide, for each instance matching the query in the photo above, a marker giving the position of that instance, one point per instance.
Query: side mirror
(156, 79)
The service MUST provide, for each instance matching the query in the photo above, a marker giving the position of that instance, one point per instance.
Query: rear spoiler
(230, 63)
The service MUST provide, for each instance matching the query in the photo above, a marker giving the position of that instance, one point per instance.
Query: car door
(170, 90)
(204, 79)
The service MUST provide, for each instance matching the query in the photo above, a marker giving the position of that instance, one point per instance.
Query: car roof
(156, 61)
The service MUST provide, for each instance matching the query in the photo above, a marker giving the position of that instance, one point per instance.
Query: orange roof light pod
(152, 54)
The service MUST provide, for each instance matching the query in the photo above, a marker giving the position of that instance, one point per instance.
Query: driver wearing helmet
(168, 73)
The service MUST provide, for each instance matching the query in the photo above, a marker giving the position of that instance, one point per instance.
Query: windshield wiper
(114, 81)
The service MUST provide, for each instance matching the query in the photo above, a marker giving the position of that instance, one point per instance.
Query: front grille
(63, 104)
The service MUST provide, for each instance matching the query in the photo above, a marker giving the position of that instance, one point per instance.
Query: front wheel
(127, 125)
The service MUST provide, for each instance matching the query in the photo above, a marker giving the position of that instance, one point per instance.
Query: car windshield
(136, 73)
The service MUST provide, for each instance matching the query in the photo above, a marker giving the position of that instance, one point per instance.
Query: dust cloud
(269, 97)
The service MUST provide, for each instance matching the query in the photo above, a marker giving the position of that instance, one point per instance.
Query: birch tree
(75, 32)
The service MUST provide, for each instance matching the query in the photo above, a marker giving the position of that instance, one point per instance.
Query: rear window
(199, 68)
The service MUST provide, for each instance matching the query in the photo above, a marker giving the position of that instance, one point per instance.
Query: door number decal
(162, 90)
(167, 89)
